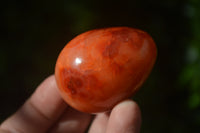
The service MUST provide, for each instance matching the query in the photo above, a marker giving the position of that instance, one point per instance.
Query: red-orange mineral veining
(102, 67)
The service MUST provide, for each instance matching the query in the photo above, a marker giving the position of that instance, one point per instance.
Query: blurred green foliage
(190, 76)
(34, 32)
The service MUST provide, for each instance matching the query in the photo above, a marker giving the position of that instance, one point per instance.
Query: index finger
(39, 112)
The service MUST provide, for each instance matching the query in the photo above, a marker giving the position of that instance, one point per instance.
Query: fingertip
(125, 117)
(128, 109)
(127, 105)
(99, 123)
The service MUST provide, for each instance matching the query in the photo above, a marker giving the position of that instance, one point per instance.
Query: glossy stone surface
(102, 67)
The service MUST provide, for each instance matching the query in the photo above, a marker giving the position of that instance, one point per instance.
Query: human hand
(45, 111)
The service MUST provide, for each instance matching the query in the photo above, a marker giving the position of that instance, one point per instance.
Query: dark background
(34, 32)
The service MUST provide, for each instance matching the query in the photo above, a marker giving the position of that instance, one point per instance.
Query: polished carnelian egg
(99, 68)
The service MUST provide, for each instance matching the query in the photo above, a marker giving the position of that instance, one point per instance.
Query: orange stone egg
(99, 68)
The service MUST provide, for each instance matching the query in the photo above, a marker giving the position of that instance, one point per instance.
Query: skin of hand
(46, 112)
